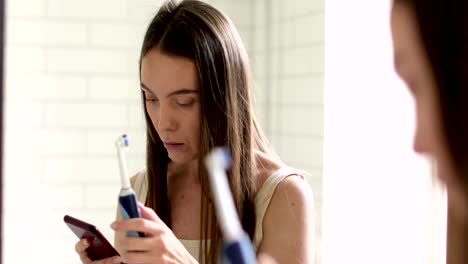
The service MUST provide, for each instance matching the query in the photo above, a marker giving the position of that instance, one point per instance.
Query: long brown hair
(443, 27)
(198, 31)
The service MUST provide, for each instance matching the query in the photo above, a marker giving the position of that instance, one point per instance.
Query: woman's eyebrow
(177, 92)
(183, 91)
(145, 88)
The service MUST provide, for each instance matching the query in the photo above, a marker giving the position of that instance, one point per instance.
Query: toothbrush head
(122, 141)
(125, 140)
(218, 158)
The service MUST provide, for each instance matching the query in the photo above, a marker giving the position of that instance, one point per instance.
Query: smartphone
(99, 247)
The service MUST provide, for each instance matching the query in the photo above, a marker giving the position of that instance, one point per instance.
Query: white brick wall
(36, 31)
(86, 61)
(72, 88)
(296, 91)
(99, 10)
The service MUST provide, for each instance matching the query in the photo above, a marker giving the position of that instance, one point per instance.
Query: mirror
(72, 87)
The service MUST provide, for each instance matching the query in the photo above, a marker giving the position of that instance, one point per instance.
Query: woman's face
(170, 87)
(412, 65)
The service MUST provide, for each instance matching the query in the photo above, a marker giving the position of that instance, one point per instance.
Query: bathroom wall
(72, 87)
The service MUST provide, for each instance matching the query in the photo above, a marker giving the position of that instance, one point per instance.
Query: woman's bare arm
(288, 224)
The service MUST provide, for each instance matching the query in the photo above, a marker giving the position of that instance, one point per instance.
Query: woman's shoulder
(272, 171)
(137, 177)
(265, 167)
(284, 196)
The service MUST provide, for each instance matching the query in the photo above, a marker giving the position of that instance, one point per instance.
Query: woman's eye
(185, 102)
(151, 99)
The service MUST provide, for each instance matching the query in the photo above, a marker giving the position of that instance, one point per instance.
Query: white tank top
(262, 200)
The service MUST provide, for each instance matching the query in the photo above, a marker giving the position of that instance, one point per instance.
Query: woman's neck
(457, 234)
(183, 173)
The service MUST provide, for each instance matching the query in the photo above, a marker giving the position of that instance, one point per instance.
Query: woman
(430, 40)
(194, 75)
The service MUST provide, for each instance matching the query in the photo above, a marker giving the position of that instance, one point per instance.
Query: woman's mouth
(172, 145)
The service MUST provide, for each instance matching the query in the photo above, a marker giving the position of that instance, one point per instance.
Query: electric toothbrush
(127, 197)
(237, 248)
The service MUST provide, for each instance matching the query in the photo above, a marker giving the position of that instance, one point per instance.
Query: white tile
(314, 28)
(259, 91)
(302, 120)
(115, 88)
(44, 142)
(62, 196)
(55, 142)
(314, 177)
(42, 32)
(246, 35)
(258, 65)
(301, 7)
(259, 39)
(49, 234)
(137, 143)
(133, 62)
(304, 30)
(260, 13)
(14, 8)
(102, 142)
(277, 8)
(305, 150)
(241, 12)
(223, 6)
(277, 62)
(136, 163)
(23, 114)
(102, 196)
(82, 115)
(117, 35)
(143, 10)
(88, 170)
(302, 90)
(39, 87)
(137, 116)
(16, 173)
(86, 61)
(116, 9)
(260, 114)
(304, 60)
(21, 60)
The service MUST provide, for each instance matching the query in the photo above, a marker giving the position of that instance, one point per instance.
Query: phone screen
(99, 247)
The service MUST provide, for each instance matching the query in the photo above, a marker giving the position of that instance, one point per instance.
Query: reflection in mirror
(72, 87)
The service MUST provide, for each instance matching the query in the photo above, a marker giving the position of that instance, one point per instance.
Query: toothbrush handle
(129, 209)
(239, 251)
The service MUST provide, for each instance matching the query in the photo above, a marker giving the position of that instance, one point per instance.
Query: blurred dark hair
(444, 32)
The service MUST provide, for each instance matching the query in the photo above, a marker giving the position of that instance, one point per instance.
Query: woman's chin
(180, 159)
(458, 202)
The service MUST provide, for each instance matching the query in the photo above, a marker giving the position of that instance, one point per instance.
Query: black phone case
(99, 247)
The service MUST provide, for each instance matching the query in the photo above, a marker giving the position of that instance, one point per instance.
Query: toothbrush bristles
(125, 140)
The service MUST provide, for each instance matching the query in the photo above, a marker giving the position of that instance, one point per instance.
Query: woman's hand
(80, 248)
(265, 259)
(159, 245)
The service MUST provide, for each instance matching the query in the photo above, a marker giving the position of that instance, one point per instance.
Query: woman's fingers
(111, 260)
(265, 259)
(80, 248)
(138, 225)
(137, 243)
(148, 213)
